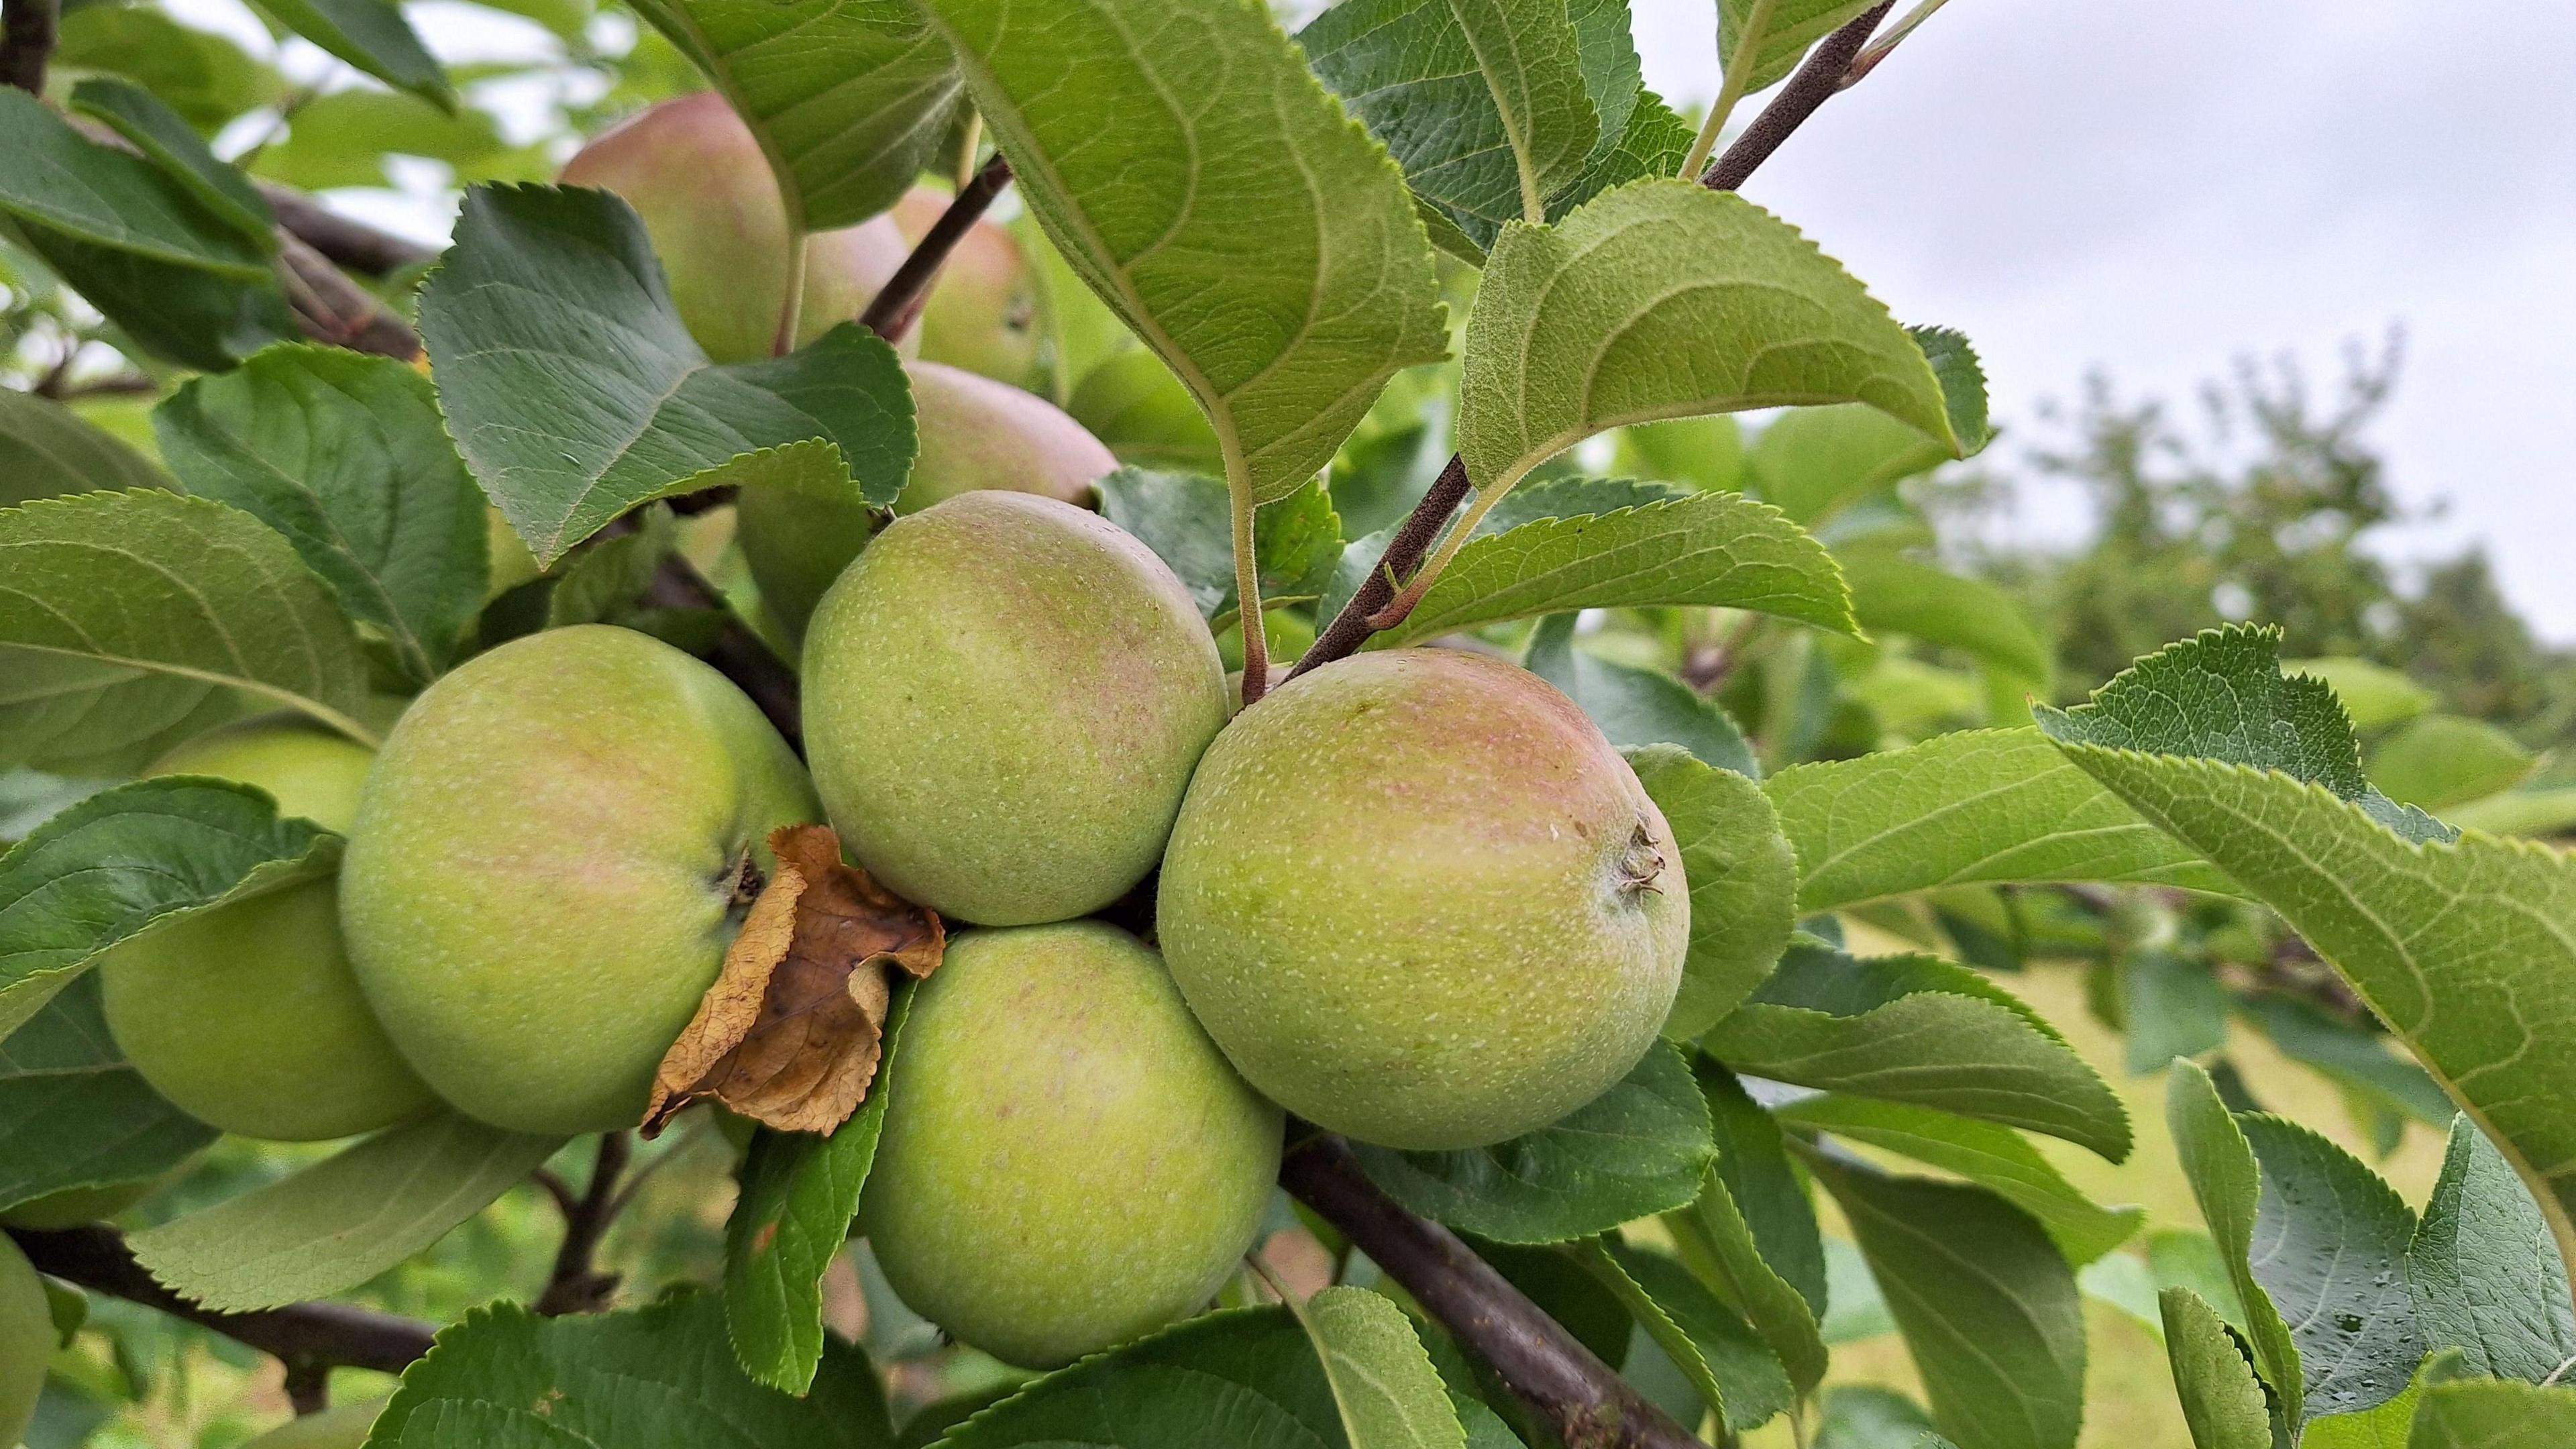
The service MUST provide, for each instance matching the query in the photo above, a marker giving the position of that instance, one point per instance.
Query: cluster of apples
(1413, 897)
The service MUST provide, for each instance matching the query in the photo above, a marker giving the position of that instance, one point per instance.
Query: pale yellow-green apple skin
(27, 1341)
(1004, 697)
(1068, 1162)
(982, 312)
(1419, 900)
(550, 859)
(974, 433)
(246, 1016)
(696, 175)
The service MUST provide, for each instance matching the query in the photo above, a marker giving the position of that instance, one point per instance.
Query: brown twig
(27, 29)
(306, 1333)
(331, 308)
(738, 653)
(1589, 1405)
(308, 1387)
(576, 1285)
(350, 243)
(1814, 84)
(893, 310)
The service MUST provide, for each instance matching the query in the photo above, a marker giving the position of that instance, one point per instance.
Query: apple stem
(791, 308)
(1247, 601)
(891, 312)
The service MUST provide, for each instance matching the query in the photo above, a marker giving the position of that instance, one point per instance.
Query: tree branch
(1590, 1406)
(307, 1333)
(575, 1285)
(345, 240)
(1816, 82)
(27, 30)
(1813, 85)
(331, 308)
(738, 654)
(892, 311)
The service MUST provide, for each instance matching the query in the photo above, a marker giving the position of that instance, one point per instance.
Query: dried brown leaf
(792, 1030)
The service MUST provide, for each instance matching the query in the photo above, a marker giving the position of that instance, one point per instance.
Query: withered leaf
(792, 1030)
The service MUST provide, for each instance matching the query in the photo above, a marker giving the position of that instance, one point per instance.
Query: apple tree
(1231, 779)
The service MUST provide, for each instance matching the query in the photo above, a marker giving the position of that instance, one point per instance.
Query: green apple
(982, 312)
(343, 1426)
(556, 845)
(1419, 900)
(246, 1016)
(975, 433)
(27, 1341)
(697, 176)
(1004, 697)
(1067, 1162)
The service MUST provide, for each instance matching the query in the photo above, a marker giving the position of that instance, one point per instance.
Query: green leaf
(2436, 760)
(1918, 1030)
(1814, 460)
(162, 135)
(2375, 695)
(105, 869)
(1662, 299)
(47, 450)
(791, 1219)
(74, 1114)
(1988, 1309)
(371, 35)
(58, 180)
(1490, 106)
(1994, 1158)
(342, 1221)
(1578, 496)
(1158, 200)
(2170, 1006)
(2219, 1164)
(107, 590)
(2329, 1248)
(2465, 950)
(850, 98)
(1185, 519)
(2484, 1273)
(1717, 549)
(540, 275)
(1249, 1371)
(661, 1377)
(345, 138)
(1752, 1235)
(1389, 1394)
(1894, 593)
(1979, 806)
(1866, 1416)
(179, 312)
(1963, 384)
(2222, 697)
(2489, 1414)
(2354, 1057)
(1638, 707)
(1702, 453)
(1639, 1148)
(2542, 814)
(203, 76)
(1777, 33)
(1722, 1359)
(345, 455)
(1743, 881)
(2222, 1401)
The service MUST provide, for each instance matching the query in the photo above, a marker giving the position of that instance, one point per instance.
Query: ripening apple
(1004, 697)
(696, 175)
(1419, 900)
(982, 312)
(557, 844)
(1067, 1161)
(246, 1015)
(27, 1341)
(975, 433)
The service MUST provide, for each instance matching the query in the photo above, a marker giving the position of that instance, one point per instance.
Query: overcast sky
(2156, 189)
